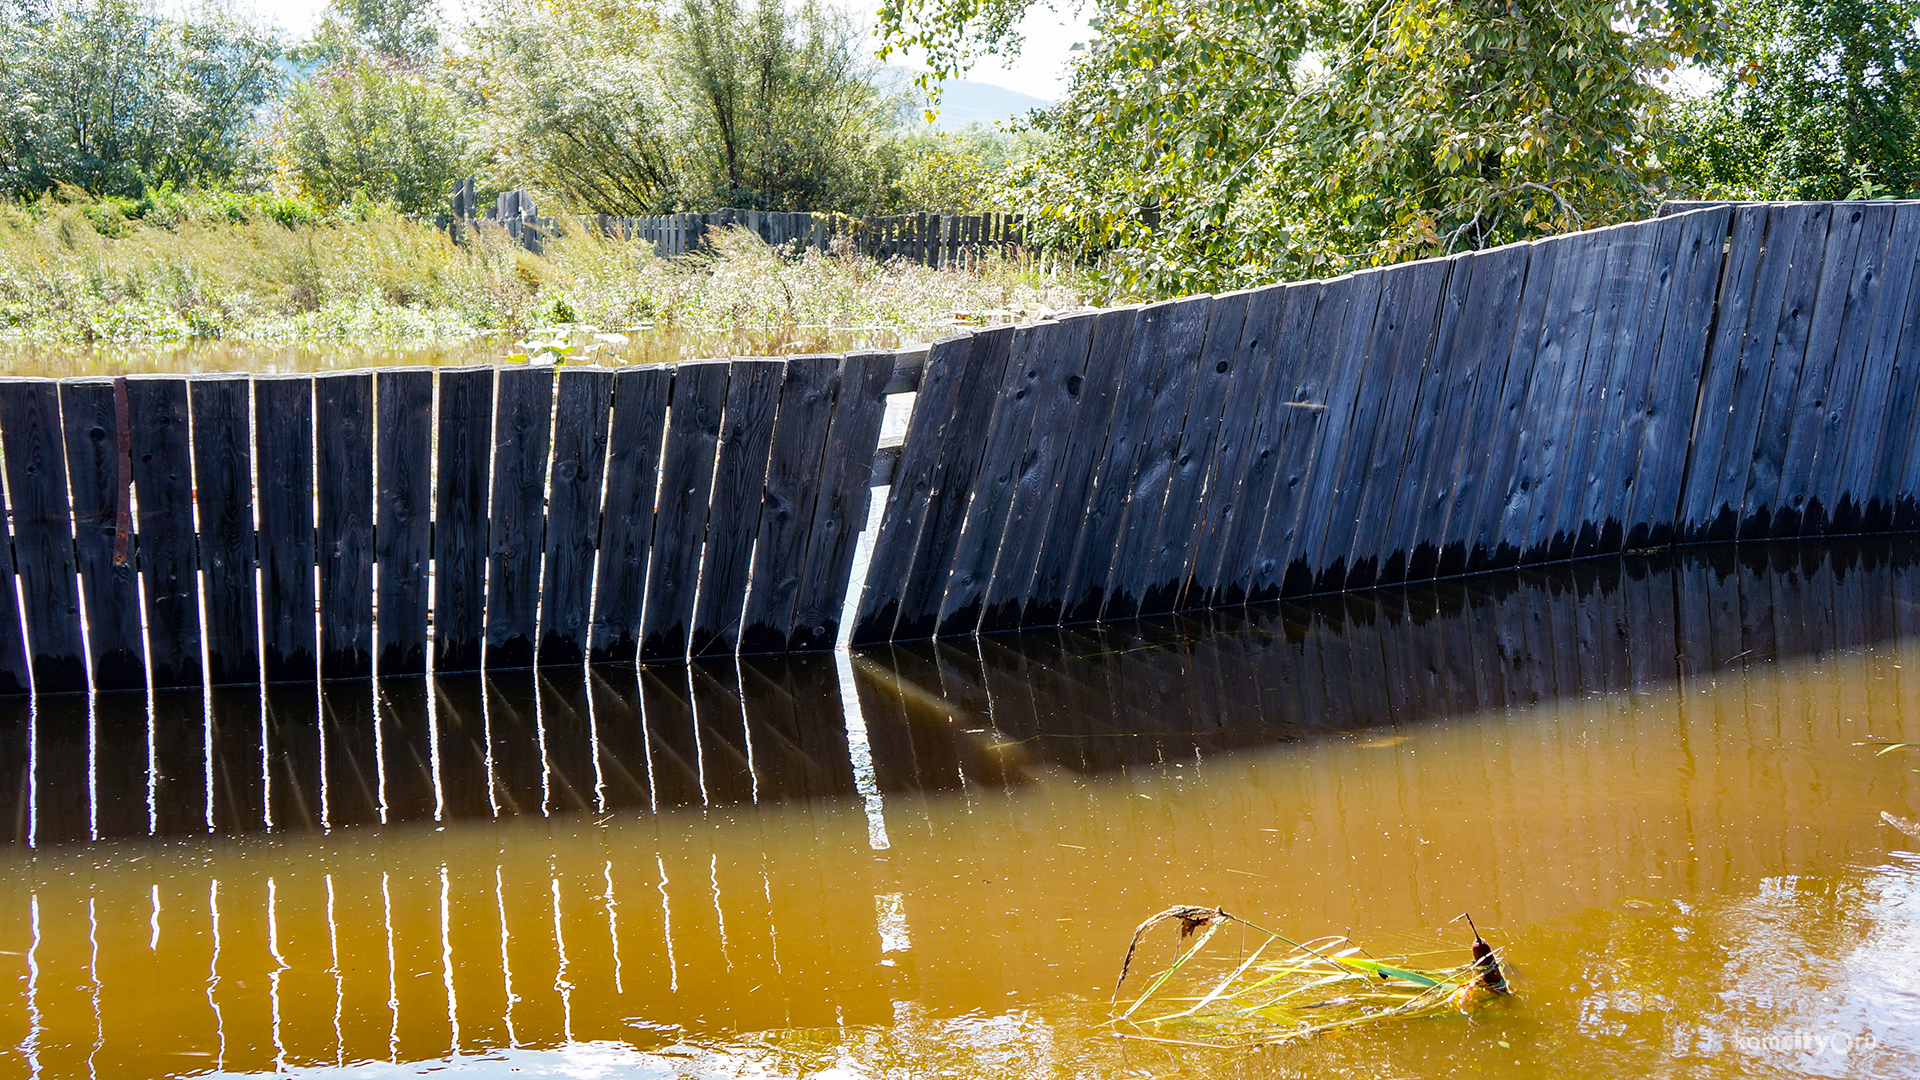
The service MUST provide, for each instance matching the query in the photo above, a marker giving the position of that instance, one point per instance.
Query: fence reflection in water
(570, 919)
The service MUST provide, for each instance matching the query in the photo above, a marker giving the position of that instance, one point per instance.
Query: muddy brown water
(1652, 780)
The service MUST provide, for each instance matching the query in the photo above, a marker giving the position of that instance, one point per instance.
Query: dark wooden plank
(1885, 400)
(1620, 356)
(580, 419)
(1084, 589)
(223, 488)
(680, 524)
(1171, 345)
(1895, 499)
(932, 567)
(1402, 339)
(1872, 287)
(1835, 310)
(1664, 419)
(163, 487)
(1109, 345)
(807, 396)
(840, 509)
(1276, 459)
(522, 428)
(1172, 551)
(1552, 420)
(1751, 288)
(1497, 286)
(1799, 308)
(1302, 388)
(343, 527)
(984, 521)
(1327, 508)
(109, 585)
(626, 520)
(463, 438)
(403, 516)
(36, 464)
(1061, 350)
(909, 495)
(739, 490)
(1225, 498)
(1560, 349)
(1433, 436)
(1480, 543)
(284, 448)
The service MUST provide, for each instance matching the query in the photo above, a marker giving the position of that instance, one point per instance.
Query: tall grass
(75, 272)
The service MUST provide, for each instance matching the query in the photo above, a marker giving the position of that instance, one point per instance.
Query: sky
(1040, 69)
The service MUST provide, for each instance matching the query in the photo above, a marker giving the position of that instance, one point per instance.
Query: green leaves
(1210, 145)
(1812, 100)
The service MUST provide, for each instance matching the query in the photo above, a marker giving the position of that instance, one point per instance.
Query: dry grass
(379, 277)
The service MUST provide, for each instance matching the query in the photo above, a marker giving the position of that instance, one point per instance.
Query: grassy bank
(79, 272)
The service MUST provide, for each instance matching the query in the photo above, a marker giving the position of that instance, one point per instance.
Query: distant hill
(964, 101)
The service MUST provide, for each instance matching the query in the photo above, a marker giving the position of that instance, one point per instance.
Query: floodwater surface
(1654, 782)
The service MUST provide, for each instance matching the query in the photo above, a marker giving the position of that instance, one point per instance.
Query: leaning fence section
(1726, 372)
(1723, 372)
(233, 528)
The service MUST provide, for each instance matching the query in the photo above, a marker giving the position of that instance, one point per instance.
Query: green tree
(571, 100)
(112, 97)
(376, 127)
(782, 113)
(1812, 99)
(710, 103)
(1211, 143)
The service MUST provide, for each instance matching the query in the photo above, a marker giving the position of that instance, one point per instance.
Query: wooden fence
(1718, 373)
(928, 239)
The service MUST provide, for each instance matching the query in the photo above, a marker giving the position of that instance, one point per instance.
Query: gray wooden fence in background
(1717, 373)
(927, 239)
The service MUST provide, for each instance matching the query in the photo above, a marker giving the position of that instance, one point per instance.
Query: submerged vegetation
(238, 268)
(1283, 990)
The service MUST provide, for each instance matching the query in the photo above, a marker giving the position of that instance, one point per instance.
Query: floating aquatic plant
(1285, 990)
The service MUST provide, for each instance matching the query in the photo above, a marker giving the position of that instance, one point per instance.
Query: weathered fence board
(1798, 310)
(840, 510)
(1109, 345)
(580, 419)
(1172, 347)
(912, 489)
(799, 439)
(983, 526)
(463, 467)
(1433, 434)
(343, 529)
(739, 488)
(680, 519)
(1885, 398)
(163, 490)
(1402, 340)
(283, 444)
(100, 481)
(223, 487)
(934, 553)
(403, 516)
(626, 517)
(1227, 483)
(1171, 548)
(42, 540)
(1060, 351)
(517, 526)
